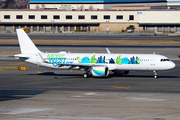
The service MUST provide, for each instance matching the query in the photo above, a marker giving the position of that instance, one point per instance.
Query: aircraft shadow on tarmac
(110, 76)
(18, 94)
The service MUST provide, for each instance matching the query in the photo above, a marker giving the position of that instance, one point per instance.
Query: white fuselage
(112, 61)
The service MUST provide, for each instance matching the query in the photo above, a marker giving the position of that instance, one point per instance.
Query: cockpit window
(162, 60)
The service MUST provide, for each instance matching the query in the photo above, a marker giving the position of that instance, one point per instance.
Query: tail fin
(26, 45)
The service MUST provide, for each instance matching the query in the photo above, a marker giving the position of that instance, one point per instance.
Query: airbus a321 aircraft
(95, 64)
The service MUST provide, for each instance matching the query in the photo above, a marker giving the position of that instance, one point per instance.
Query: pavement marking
(39, 72)
(81, 105)
(151, 108)
(113, 112)
(9, 118)
(78, 96)
(25, 117)
(120, 87)
(167, 38)
(3, 37)
(153, 112)
(133, 107)
(42, 37)
(18, 63)
(124, 38)
(170, 108)
(171, 113)
(157, 86)
(82, 38)
(115, 106)
(59, 115)
(133, 112)
(94, 113)
(145, 99)
(97, 106)
(75, 114)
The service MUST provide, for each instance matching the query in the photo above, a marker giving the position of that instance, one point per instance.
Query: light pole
(107, 26)
(54, 4)
(77, 4)
(52, 21)
(128, 23)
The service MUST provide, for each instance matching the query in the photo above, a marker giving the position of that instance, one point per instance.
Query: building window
(68, 16)
(81, 17)
(31, 16)
(131, 17)
(19, 17)
(119, 17)
(6, 16)
(43, 16)
(106, 16)
(93, 16)
(56, 17)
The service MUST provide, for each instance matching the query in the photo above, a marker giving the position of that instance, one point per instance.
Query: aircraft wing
(73, 65)
(76, 64)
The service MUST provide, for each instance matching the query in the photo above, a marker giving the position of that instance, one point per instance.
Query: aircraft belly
(132, 67)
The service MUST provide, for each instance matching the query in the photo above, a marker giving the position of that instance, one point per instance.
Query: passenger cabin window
(6, 16)
(43, 16)
(93, 16)
(106, 16)
(31, 16)
(119, 17)
(68, 16)
(56, 17)
(131, 17)
(81, 17)
(19, 17)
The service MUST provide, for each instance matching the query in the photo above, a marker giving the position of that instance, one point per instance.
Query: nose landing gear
(155, 74)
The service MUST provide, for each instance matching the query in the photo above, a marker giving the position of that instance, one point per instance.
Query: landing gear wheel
(155, 74)
(86, 75)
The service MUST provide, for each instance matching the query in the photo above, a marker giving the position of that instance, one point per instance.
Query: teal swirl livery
(96, 64)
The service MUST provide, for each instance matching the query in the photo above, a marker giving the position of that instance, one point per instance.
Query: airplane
(95, 64)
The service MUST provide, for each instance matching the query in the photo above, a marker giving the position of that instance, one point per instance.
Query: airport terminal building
(90, 4)
(150, 20)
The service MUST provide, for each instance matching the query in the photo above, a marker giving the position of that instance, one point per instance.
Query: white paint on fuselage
(147, 61)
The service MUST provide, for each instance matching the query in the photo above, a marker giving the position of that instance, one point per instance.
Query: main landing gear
(155, 74)
(87, 74)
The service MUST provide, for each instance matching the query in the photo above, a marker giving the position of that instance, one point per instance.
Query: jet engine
(100, 71)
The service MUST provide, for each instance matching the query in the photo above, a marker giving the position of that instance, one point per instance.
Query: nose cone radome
(172, 65)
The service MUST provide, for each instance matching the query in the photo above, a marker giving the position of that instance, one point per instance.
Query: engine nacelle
(100, 71)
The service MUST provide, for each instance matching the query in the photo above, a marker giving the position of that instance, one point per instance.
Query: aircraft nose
(172, 65)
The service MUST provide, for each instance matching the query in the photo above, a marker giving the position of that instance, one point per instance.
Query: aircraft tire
(85, 75)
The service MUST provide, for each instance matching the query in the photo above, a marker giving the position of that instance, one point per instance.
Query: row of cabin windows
(120, 17)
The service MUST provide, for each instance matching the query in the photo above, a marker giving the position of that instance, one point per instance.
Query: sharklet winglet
(108, 51)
